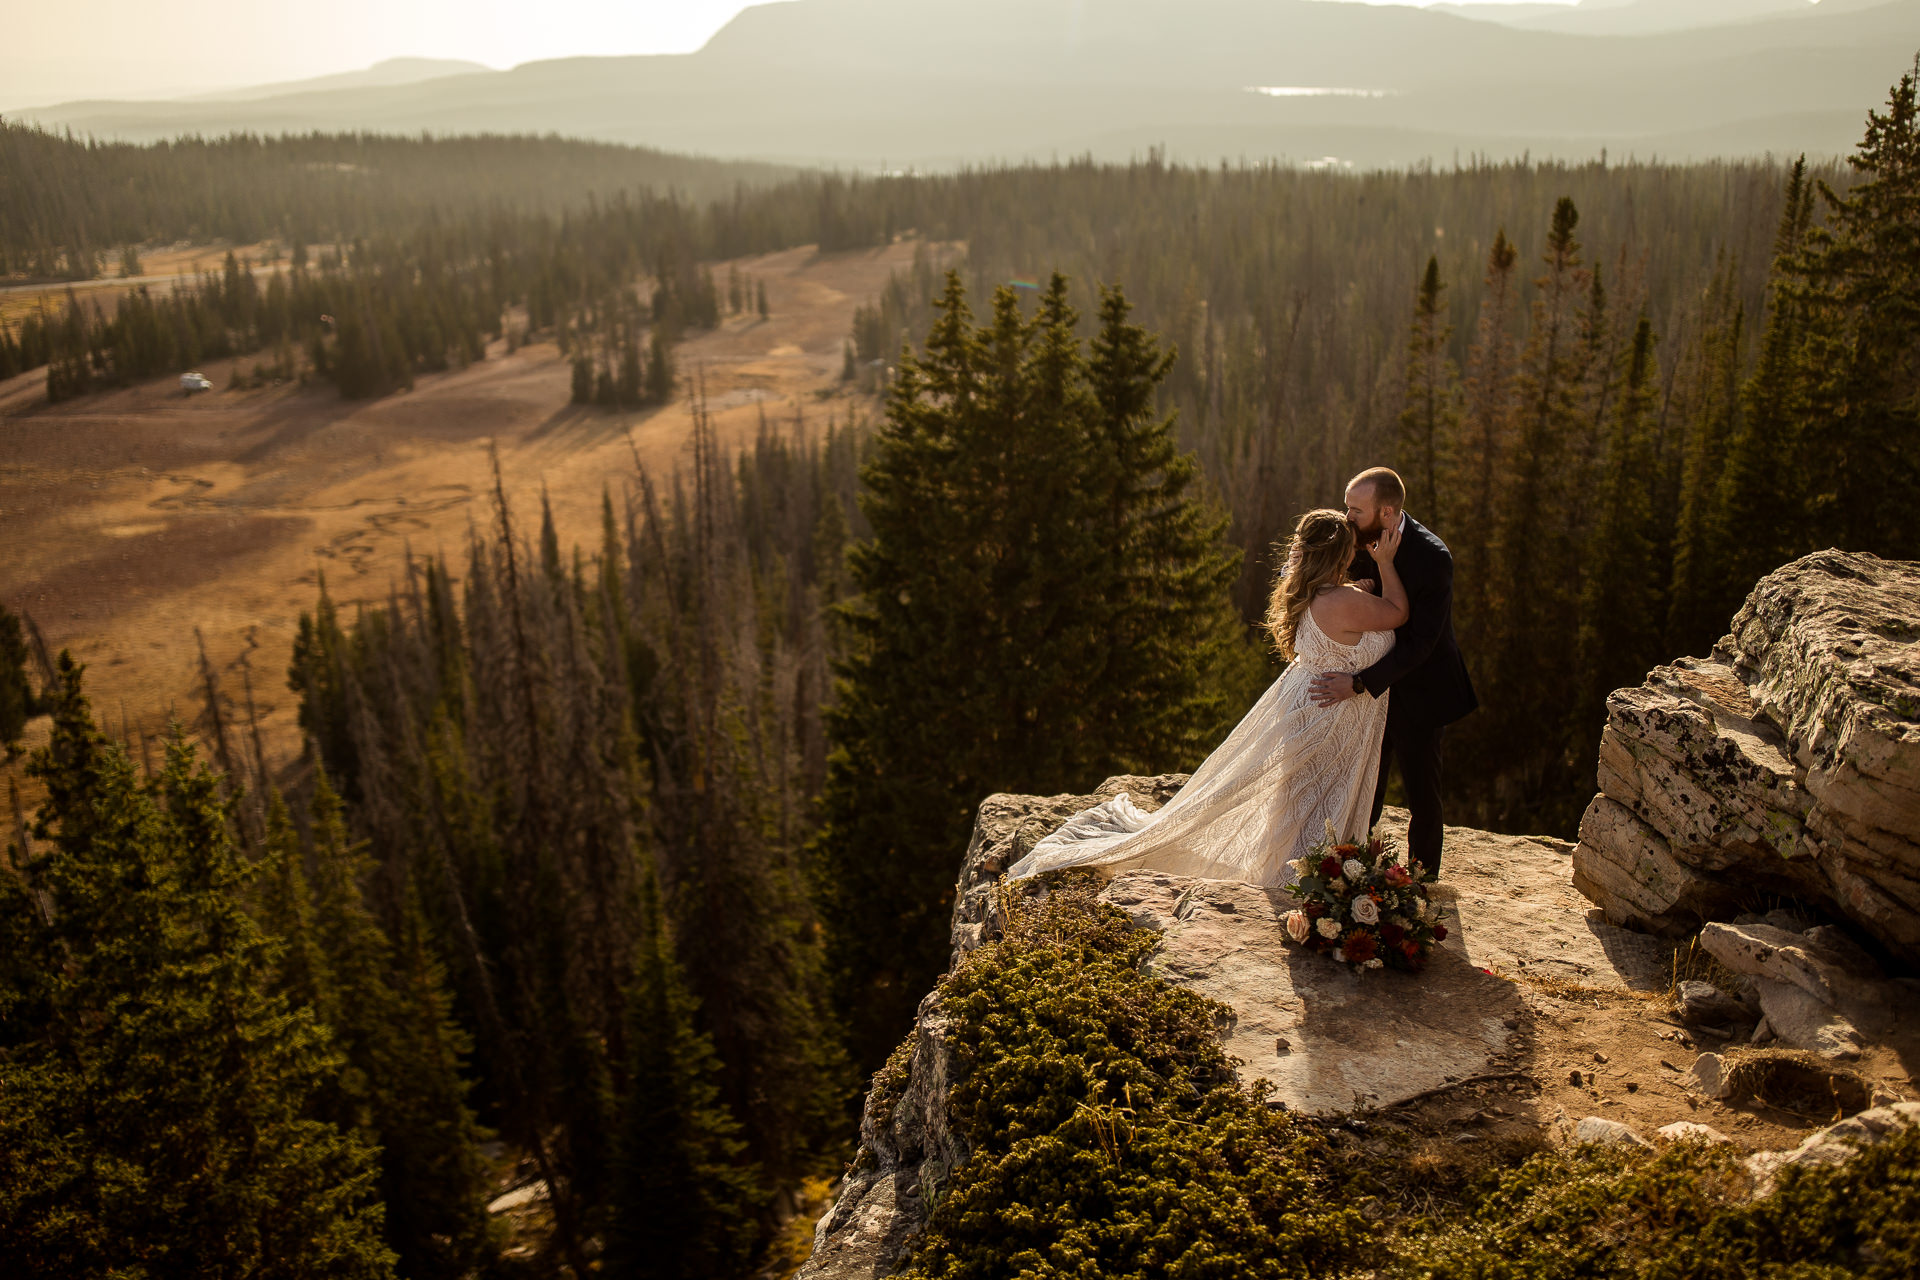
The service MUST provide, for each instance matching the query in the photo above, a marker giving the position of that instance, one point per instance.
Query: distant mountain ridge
(392, 71)
(936, 83)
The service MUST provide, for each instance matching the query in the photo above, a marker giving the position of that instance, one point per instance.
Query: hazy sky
(71, 49)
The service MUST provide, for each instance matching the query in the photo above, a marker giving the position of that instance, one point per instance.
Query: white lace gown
(1265, 795)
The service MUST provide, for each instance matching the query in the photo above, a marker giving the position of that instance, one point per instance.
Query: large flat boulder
(1787, 763)
(1329, 1039)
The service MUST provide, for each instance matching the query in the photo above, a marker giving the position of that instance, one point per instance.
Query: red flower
(1439, 933)
(1346, 850)
(1315, 910)
(1360, 946)
(1398, 877)
(1410, 949)
(1375, 845)
(1330, 866)
(1391, 934)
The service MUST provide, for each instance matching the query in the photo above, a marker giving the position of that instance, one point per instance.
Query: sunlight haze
(213, 45)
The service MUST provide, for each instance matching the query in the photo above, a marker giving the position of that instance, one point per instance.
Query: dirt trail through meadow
(130, 518)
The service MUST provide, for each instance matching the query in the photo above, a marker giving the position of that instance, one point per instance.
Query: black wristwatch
(1358, 688)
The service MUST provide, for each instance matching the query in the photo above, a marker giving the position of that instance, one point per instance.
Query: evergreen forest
(637, 853)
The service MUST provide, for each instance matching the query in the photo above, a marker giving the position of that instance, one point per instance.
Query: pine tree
(1696, 613)
(155, 1096)
(659, 367)
(1476, 458)
(682, 1201)
(1537, 551)
(1180, 666)
(627, 389)
(1011, 533)
(582, 378)
(389, 1013)
(1862, 352)
(1430, 417)
(1760, 500)
(1620, 614)
(760, 298)
(18, 702)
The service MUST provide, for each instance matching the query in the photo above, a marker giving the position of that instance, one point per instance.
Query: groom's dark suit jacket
(1425, 671)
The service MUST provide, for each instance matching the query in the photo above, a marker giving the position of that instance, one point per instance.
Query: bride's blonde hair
(1324, 541)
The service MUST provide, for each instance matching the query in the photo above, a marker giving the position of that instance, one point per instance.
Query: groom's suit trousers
(1416, 749)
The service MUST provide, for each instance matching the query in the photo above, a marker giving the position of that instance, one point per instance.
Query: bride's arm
(1393, 592)
(1356, 609)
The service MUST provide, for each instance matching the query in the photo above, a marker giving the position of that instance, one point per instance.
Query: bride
(1267, 793)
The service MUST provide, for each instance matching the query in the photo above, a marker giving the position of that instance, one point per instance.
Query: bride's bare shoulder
(1338, 599)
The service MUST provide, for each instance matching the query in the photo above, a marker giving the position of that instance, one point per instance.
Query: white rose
(1354, 868)
(1375, 963)
(1336, 885)
(1366, 910)
(1329, 927)
(1298, 926)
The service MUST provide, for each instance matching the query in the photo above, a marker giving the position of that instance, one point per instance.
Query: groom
(1424, 669)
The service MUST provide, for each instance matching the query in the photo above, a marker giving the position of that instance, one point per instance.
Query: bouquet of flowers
(1359, 901)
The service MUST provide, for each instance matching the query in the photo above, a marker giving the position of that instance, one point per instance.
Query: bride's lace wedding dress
(1264, 796)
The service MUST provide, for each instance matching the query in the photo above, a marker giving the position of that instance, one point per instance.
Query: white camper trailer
(192, 382)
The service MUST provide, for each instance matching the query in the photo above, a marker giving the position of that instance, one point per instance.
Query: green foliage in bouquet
(1108, 1135)
(1362, 903)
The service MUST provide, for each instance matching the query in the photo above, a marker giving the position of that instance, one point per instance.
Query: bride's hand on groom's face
(1388, 544)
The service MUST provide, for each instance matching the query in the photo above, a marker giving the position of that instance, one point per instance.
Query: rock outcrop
(1328, 1039)
(1787, 763)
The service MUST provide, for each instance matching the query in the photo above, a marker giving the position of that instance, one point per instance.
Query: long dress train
(1265, 795)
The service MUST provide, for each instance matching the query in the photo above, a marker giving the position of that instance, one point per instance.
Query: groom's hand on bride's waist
(1330, 688)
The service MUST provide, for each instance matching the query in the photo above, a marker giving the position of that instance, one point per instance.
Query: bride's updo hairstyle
(1318, 556)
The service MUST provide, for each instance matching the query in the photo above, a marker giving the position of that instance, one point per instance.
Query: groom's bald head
(1371, 496)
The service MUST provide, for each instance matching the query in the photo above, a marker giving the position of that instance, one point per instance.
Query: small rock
(1573, 1077)
(1632, 1087)
(1707, 1076)
(1685, 1130)
(1599, 1057)
(1835, 1144)
(1704, 1002)
(1668, 1065)
(1608, 1132)
(1283, 1045)
(1806, 1022)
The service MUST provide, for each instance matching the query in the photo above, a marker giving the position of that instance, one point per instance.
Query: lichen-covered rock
(907, 1149)
(1787, 763)
(1835, 1144)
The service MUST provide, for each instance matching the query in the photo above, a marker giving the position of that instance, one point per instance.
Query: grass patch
(1605, 1212)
